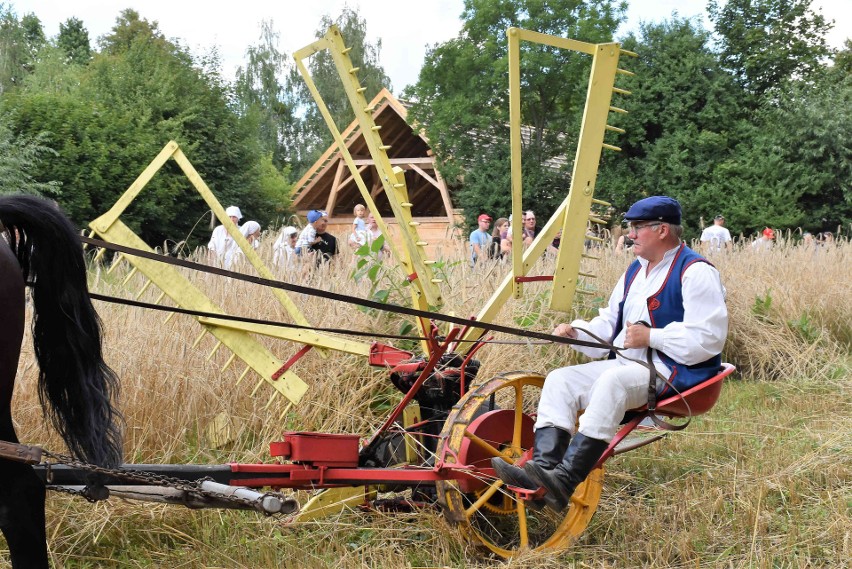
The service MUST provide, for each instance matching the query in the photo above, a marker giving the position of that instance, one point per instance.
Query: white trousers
(605, 389)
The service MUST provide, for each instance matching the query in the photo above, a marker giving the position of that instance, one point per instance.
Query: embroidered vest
(664, 307)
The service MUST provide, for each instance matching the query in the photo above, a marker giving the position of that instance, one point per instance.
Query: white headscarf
(283, 252)
(250, 228)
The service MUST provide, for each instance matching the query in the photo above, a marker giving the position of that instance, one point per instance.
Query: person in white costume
(284, 251)
(671, 300)
(220, 241)
(251, 231)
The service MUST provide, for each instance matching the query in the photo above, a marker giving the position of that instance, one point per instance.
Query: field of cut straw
(764, 480)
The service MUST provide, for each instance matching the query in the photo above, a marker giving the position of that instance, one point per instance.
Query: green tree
(18, 158)
(767, 42)
(128, 28)
(263, 99)
(20, 42)
(795, 169)
(461, 98)
(73, 39)
(683, 119)
(314, 136)
(127, 104)
(34, 38)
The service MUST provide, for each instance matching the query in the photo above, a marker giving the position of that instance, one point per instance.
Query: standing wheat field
(762, 480)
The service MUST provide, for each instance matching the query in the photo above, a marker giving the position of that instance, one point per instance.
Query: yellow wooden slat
(584, 174)
(186, 295)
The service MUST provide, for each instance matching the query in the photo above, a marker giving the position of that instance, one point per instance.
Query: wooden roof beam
(438, 182)
(402, 162)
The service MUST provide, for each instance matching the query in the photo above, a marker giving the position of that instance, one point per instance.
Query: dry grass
(762, 481)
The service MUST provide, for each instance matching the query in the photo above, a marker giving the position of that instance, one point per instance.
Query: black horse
(40, 247)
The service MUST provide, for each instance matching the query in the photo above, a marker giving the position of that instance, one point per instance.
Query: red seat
(700, 398)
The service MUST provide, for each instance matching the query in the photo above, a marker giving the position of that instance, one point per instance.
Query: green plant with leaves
(387, 283)
(18, 158)
(762, 306)
(806, 327)
(441, 269)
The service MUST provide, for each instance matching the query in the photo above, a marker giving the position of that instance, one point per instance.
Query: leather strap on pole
(20, 453)
(384, 307)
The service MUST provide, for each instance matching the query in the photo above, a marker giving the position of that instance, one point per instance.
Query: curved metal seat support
(694, 401)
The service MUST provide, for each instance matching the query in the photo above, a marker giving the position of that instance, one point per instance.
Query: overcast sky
(406, 27)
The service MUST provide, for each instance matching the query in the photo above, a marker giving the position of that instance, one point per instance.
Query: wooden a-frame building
(328, 184)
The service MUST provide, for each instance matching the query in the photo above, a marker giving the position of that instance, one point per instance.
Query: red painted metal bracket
(387, 356)
(296, 357)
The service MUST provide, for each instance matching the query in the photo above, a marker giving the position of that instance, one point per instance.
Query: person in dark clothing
(325, 248)
(501, 226)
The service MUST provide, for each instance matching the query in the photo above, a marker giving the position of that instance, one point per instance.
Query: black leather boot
(548, 449)
(561, 481)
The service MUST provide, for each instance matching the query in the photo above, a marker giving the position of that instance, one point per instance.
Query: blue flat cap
(655, 208)
(315, 214)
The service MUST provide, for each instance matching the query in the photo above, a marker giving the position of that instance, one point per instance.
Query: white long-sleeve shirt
(220, 241)
(306, 238)
(283, 252)
(700, 336)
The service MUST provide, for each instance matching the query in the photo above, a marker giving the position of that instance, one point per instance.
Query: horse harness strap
(20, 453)
(652, 391)
(652, 383)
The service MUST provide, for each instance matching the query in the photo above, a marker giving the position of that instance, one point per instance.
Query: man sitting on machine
(670, 302)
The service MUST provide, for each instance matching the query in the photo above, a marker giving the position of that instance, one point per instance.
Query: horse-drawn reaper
(471, 422)
(462, 422)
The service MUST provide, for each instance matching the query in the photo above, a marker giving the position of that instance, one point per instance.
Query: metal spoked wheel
(495, 419)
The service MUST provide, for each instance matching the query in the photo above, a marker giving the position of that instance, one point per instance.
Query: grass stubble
(763, 480)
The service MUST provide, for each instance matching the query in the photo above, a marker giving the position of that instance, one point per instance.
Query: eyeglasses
(633, 228)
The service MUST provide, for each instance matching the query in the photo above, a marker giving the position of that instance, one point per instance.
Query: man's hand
(566, 331)
(638, 336)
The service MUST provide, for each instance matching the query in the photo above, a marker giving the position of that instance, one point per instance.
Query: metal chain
(147, 478)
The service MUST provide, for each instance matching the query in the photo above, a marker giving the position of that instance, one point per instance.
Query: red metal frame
(319, 458)
(306, 477)
(383, 355)
(289, 363)
(329, 460)
(439, 349)
(322, 460)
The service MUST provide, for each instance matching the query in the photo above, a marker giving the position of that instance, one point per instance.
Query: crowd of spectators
(313, 246)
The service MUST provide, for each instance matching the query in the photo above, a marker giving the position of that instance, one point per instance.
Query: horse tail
(75, 385)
